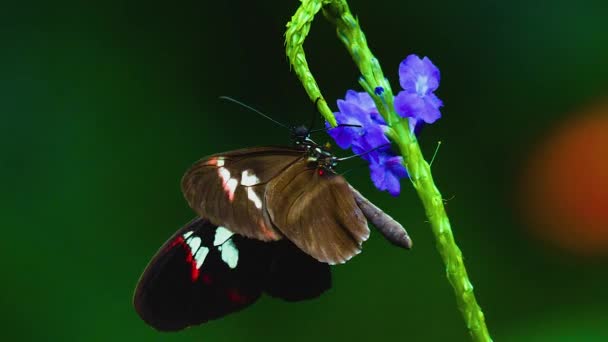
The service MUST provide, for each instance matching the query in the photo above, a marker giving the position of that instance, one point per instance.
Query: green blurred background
(104, 106)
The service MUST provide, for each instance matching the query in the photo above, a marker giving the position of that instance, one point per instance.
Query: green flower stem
(352, 36)
(297, 30)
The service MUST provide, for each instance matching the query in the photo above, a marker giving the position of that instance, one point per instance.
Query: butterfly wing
(295, 275)
(228, 188)
(316, 210)
(201, 273)
(204, 272)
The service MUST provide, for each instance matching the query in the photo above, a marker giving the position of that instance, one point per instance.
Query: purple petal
(392, 184)
(433, 101)
(349, 114)
(378, 174)
(430, 113)
(377, 118)
(367, 104)
(386, 173)
(352, 114)
(343, 136)
(395, 165)
(373, 138)
(419, 76)
(351, 96)
(362, 99)
(410, 105)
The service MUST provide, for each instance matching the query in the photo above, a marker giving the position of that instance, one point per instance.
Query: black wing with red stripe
(205, 272)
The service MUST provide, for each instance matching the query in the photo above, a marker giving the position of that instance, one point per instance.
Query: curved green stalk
(352, 36)
(297, 30)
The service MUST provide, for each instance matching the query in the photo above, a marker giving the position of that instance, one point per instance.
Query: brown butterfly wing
(316, 210)
(228, 188)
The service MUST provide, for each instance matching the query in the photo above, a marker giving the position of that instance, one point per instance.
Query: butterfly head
(319, 155)
(300, 135)
(322, 157)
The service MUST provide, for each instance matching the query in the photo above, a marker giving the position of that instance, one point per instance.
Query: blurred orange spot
(565, 184)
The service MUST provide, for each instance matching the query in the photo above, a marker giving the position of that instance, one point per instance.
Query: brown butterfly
(270, 220)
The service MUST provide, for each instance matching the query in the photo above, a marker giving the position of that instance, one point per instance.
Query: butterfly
(269, 220)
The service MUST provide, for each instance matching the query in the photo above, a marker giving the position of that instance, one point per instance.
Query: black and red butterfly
(270, 220)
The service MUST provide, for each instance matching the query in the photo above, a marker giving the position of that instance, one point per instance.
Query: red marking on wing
(230, 193)
(266, 231)
(194, 273)
(212, 161)
(178, 241)
(190, 259)
(321, 172)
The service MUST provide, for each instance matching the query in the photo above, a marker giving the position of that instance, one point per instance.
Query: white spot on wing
(194, 243)
(224, 174)
(220, 162)
(187, 234)
(230, 254)
(200, 256)
(231, 188)
(248, 178)
(221, 235)
(229, 184)
(253, 197)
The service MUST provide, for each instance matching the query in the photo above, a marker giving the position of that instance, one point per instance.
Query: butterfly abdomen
(391, 229)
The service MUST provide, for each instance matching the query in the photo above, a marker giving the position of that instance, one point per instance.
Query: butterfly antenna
(353, 169)
(435, 154)
(327, 129)
(253, 110)
(364, 153)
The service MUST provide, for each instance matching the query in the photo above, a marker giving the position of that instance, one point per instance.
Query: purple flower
(358, 109)
(419, 78)
(368, 140)
(386, 170)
